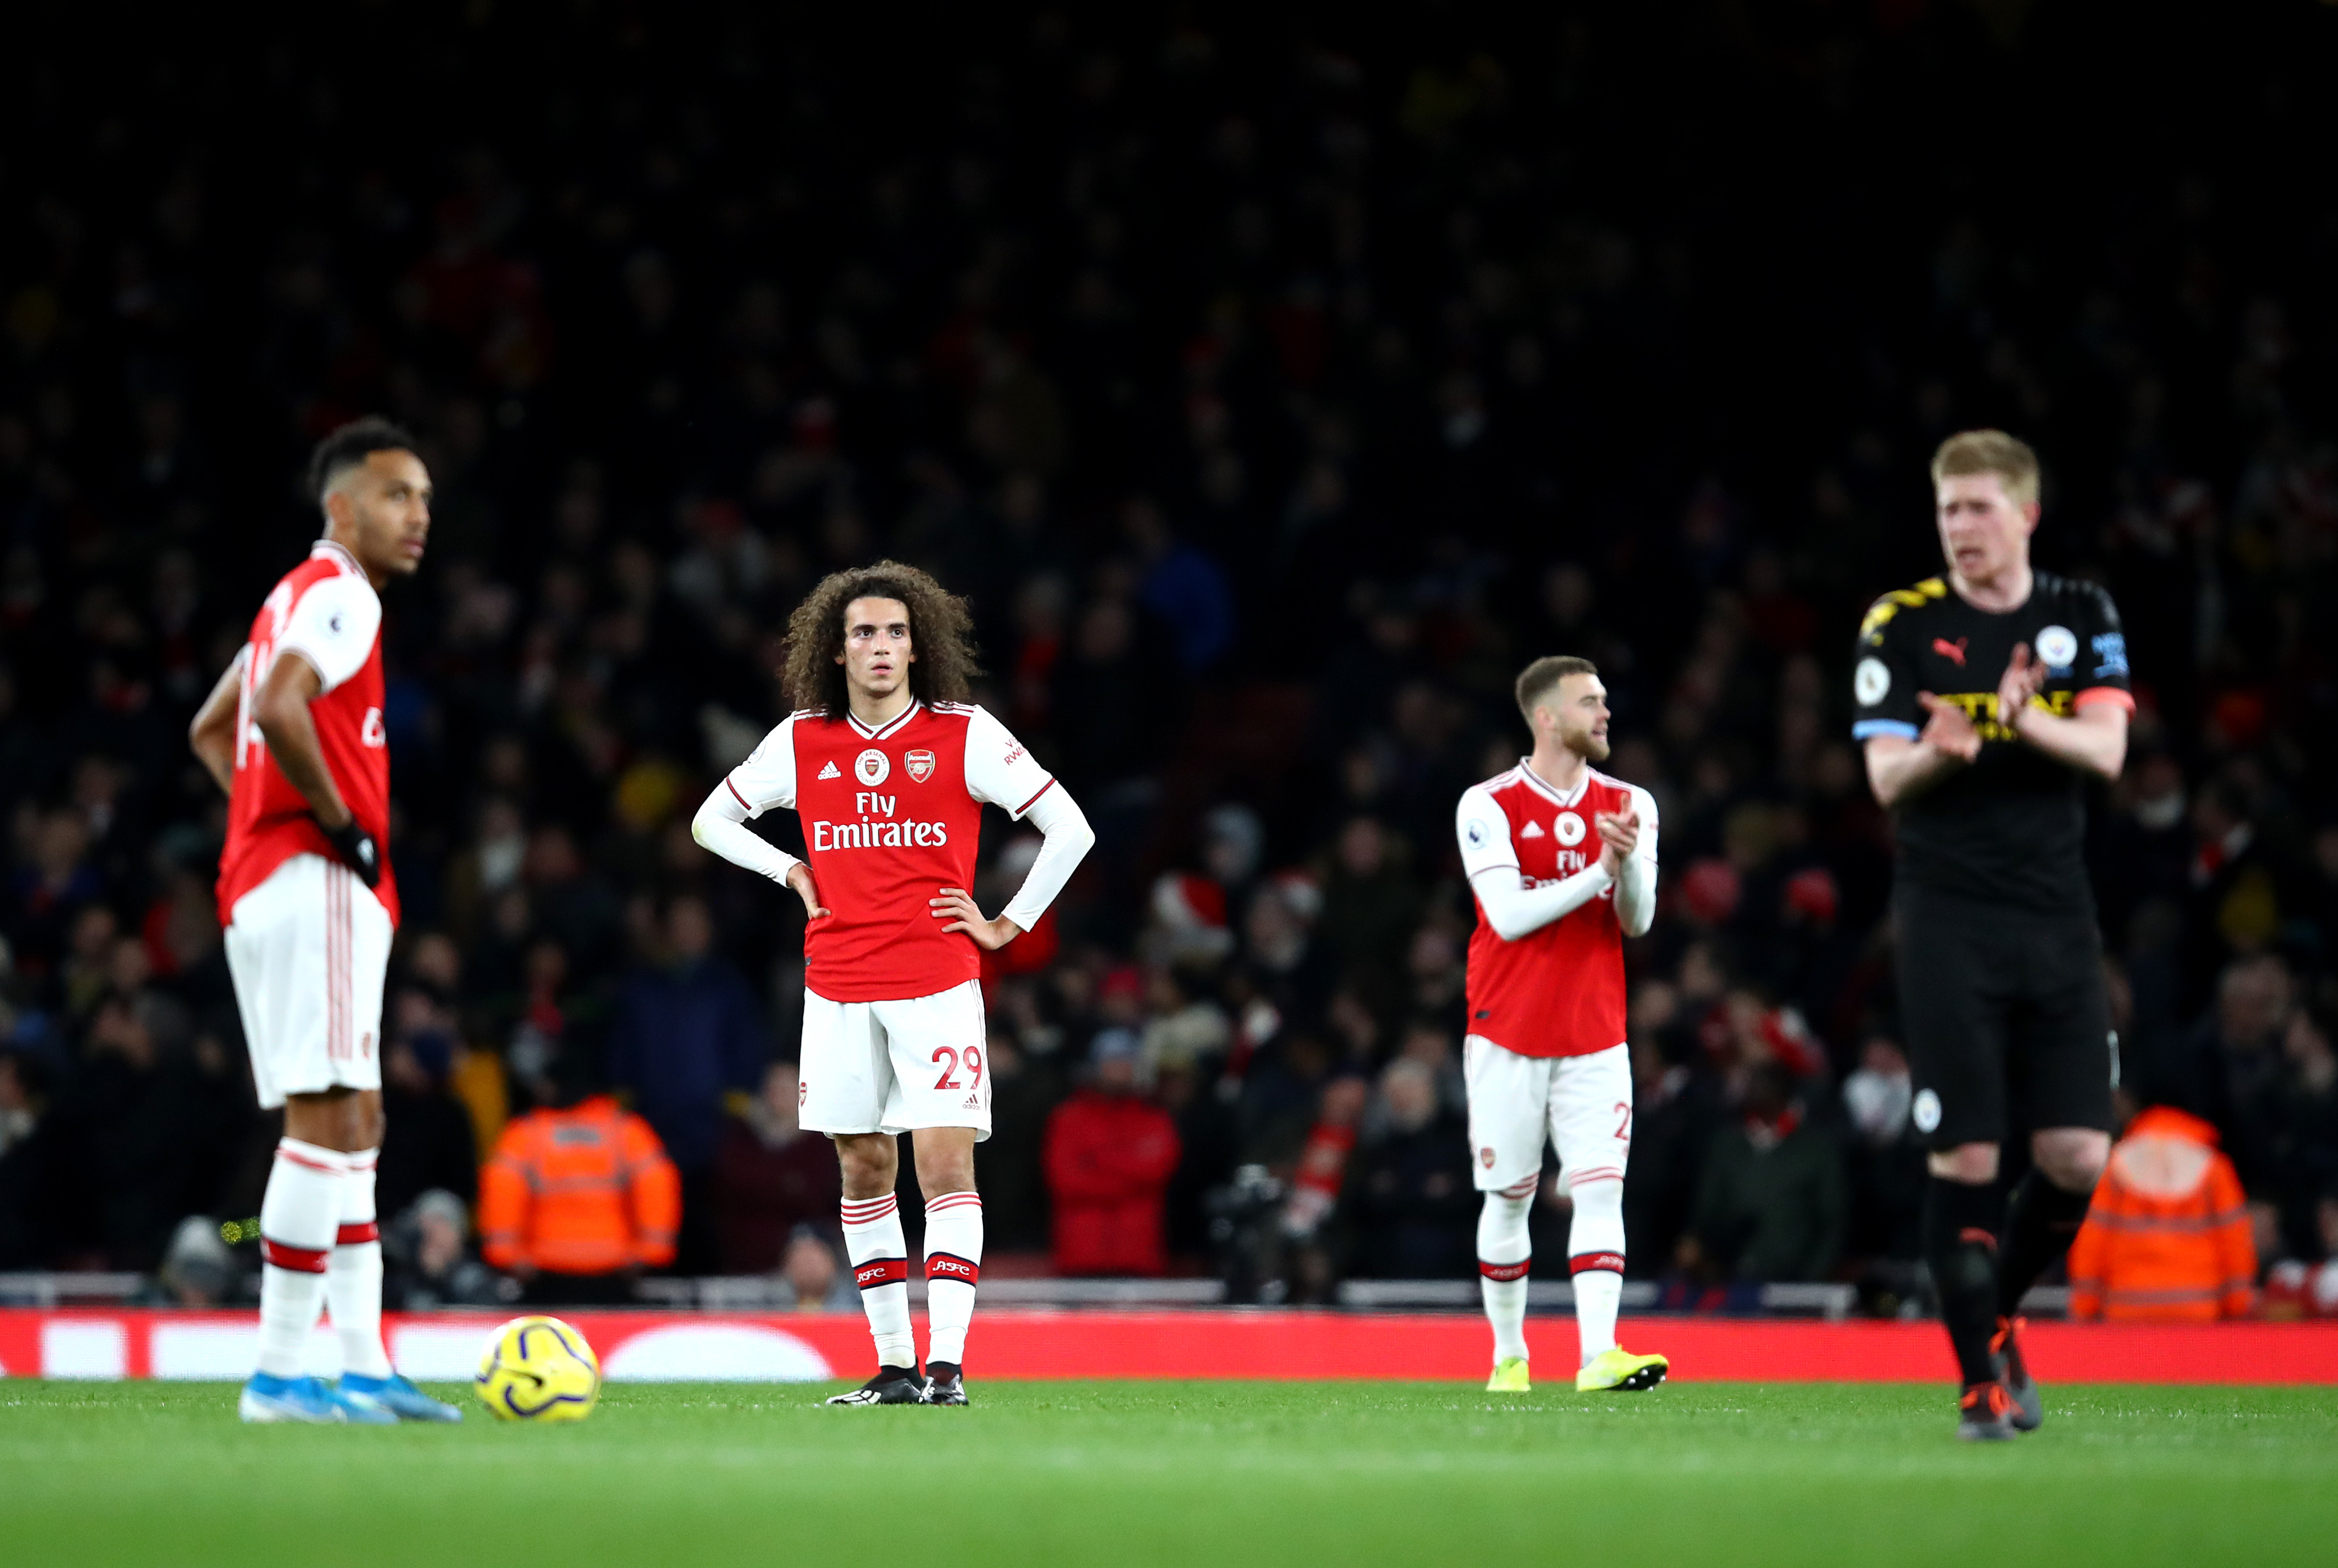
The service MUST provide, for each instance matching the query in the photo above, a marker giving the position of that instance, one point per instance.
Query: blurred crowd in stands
(1275, 394)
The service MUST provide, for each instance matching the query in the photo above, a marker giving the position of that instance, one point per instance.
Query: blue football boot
(309, 1400)
(398, 1395)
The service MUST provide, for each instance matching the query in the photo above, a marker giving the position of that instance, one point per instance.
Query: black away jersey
(2010, 828)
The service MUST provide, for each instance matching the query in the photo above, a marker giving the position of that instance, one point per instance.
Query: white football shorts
(895, 1066)
(1582, 1105)
(308, 949)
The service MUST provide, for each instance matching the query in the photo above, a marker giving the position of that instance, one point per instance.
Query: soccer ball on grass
(539, 1370)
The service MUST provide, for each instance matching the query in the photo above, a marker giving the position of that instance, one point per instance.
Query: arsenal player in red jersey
(293, 733)
(1562, 861)
(887, 766)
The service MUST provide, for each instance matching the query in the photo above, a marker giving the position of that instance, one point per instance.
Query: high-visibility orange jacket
(583, 1190)
(2167, 1239)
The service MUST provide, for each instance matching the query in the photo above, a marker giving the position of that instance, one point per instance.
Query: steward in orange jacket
(578, 1194)
(2167, 1239)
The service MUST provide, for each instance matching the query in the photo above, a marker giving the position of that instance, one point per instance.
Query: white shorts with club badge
(1582, 1104)
(308, 949)
(895, 1066)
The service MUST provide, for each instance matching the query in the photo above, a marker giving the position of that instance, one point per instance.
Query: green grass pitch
(1289, 1474)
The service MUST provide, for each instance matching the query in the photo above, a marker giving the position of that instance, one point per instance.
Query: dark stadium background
(1276, 381)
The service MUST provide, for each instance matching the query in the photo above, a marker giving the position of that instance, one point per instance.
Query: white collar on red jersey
(334, 551)
(1543, 785)
(891, 727)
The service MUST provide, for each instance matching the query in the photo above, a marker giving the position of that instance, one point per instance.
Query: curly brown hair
(941, 635)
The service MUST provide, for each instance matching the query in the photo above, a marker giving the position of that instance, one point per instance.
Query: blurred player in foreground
(1985, 701)
(293, 733)
(1562, 860)
(888, 767)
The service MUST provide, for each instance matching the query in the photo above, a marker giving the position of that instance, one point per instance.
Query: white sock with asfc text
(298, 1214)
(878, 1251)
(953, 1270)
(1595, 1248)
(1504, 1255)
(353, 1273)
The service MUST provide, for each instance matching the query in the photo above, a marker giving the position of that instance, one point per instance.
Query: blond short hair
(1990, 452)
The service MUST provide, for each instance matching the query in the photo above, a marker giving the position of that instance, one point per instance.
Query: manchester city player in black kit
(1986, 699)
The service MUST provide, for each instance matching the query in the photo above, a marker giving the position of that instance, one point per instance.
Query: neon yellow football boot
(1619, 1371)
(1509, 1377)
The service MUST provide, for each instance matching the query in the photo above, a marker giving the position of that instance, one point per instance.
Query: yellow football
(538, 1369)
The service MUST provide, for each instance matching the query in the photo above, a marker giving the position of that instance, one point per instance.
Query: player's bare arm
(1899, 769)
(210, 735)
(281, 711)
(2093, 739)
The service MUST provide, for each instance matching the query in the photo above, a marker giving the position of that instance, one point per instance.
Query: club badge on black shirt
(2011, 827)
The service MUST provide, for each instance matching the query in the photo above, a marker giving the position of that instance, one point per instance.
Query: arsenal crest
(921, 765)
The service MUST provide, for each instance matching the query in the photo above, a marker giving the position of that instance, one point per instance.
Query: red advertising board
(1118, 1345)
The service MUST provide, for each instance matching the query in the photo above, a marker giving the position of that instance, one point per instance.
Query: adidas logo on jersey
(830, 771)
(1531, 831)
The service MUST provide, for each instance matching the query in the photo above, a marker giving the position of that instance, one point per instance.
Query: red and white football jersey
(327, 611)
(1558, 990)
(890, 817)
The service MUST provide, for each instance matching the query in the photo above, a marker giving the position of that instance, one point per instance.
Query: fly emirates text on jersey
(868, 834)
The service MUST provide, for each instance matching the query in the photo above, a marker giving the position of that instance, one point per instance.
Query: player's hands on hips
(957, 907)
(357, 849)
(800, 879)
(1619, 834)
(2024, 677)
(1950, 729)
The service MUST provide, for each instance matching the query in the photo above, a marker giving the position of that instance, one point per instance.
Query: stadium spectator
(686, 1034)
(1677, 1107)
(771, 1178)
(149, 1118)
(579, 1197)
(1370, 902)
(2298, 1287)
(429, 1262)
(819, 1283)
(198, 1268)
(29, 1172)
(1026, 1087)
(1409, 1201)
(1886, 1158)
(2232, 1059)
(2298, 1118)
(433, 1144)
(2168, 1238)
(1110, 1153)
(1771, 1204)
